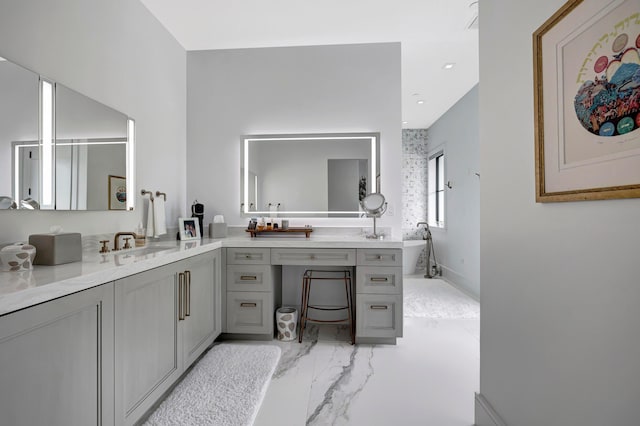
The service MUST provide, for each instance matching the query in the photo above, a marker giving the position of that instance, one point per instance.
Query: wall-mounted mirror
(91, 146)
(18, 132)
(60, 149)
(311, 175)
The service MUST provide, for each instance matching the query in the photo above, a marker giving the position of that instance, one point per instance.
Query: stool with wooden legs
(313, 275)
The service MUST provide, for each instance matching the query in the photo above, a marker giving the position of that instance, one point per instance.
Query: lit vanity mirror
(19, 152)
(90, 153)
(311, 175)
(60, 149)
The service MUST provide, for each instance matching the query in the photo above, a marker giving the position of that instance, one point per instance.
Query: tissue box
(56, 249)
(217, 230)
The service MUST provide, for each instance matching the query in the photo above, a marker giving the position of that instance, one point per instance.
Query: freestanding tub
(411, 251)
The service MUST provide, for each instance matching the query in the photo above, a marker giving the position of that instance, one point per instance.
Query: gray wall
(320, 89)
(457, 245)
(117, 53)
(559, 299)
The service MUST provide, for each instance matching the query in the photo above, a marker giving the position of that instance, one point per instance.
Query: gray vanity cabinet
(204, 322)
(165, 318)
(251, 293)
(57, 361)
(378, 295)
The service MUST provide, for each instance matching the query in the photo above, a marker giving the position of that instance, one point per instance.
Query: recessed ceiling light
(416, 94)
(420, 102)
(448, 65)
(405, 122)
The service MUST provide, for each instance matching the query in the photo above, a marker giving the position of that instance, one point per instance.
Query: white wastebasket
(286, 323)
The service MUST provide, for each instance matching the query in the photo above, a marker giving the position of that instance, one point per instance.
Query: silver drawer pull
(379, 257)
(248, 305)
(248, 277)
(379, 307)
(379, 279)
(247, 256)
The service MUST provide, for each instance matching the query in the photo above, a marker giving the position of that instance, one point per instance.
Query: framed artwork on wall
(586, 61)
(117, 193)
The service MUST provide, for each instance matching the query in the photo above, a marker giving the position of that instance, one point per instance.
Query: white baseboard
(457, 280)
(485, 414)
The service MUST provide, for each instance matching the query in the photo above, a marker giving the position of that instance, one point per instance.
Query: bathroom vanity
(117, 330)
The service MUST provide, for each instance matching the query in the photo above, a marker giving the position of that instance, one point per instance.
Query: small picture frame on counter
(188, 228)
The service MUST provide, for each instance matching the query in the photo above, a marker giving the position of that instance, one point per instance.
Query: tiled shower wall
(414, 185)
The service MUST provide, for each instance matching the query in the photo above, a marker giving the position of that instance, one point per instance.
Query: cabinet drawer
(378, 315)
(321, 257)
(249, 312)
(380, 257)
(379, 280)
(248, 256)
(249, 278)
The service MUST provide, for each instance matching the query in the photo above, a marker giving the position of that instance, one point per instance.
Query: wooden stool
(310, 275)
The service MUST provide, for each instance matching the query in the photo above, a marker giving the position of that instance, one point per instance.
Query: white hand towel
(159, 218)
(150, 225)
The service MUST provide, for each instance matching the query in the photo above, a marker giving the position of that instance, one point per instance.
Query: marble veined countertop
(19, 290)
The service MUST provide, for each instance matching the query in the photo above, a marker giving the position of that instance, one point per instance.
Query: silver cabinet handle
(379, 279)
(180, 297)
(187, 291)
(247, 256)
(379, 257)
(379, 307)
(248, 277)
(248, 305)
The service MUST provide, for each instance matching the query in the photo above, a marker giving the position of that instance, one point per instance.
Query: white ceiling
(432, 33)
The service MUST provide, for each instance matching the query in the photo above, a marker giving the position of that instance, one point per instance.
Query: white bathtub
(411, 251)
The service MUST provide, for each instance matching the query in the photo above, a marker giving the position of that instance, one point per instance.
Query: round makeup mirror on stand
(374, 206)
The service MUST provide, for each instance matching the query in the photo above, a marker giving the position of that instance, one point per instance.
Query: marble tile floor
(427, 379)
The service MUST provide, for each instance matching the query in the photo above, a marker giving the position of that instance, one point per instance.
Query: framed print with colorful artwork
(117, 193)
(587, 102)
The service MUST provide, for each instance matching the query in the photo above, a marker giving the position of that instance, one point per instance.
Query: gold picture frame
(586, 66)
(117, 192)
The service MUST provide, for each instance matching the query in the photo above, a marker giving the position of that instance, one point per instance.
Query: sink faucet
(116, 240)
(422, 223)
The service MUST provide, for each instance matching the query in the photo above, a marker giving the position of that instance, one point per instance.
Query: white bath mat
(225, 388)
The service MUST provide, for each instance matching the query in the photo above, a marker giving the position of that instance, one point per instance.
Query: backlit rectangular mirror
(60, 149)
(310, 175)
(18, 133)
(90, 153)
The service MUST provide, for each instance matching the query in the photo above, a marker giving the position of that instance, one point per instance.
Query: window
(435, 195)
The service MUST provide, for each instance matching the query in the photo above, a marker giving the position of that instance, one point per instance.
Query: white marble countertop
(19, 290)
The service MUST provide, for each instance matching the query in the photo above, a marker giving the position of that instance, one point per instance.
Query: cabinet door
(249, 278)
(311, 257)
(379, 280)
(379, 257)
(378, 315)
(203, 322)
(147, 357)
(248, 256)
(57, 361)
(249, 312)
